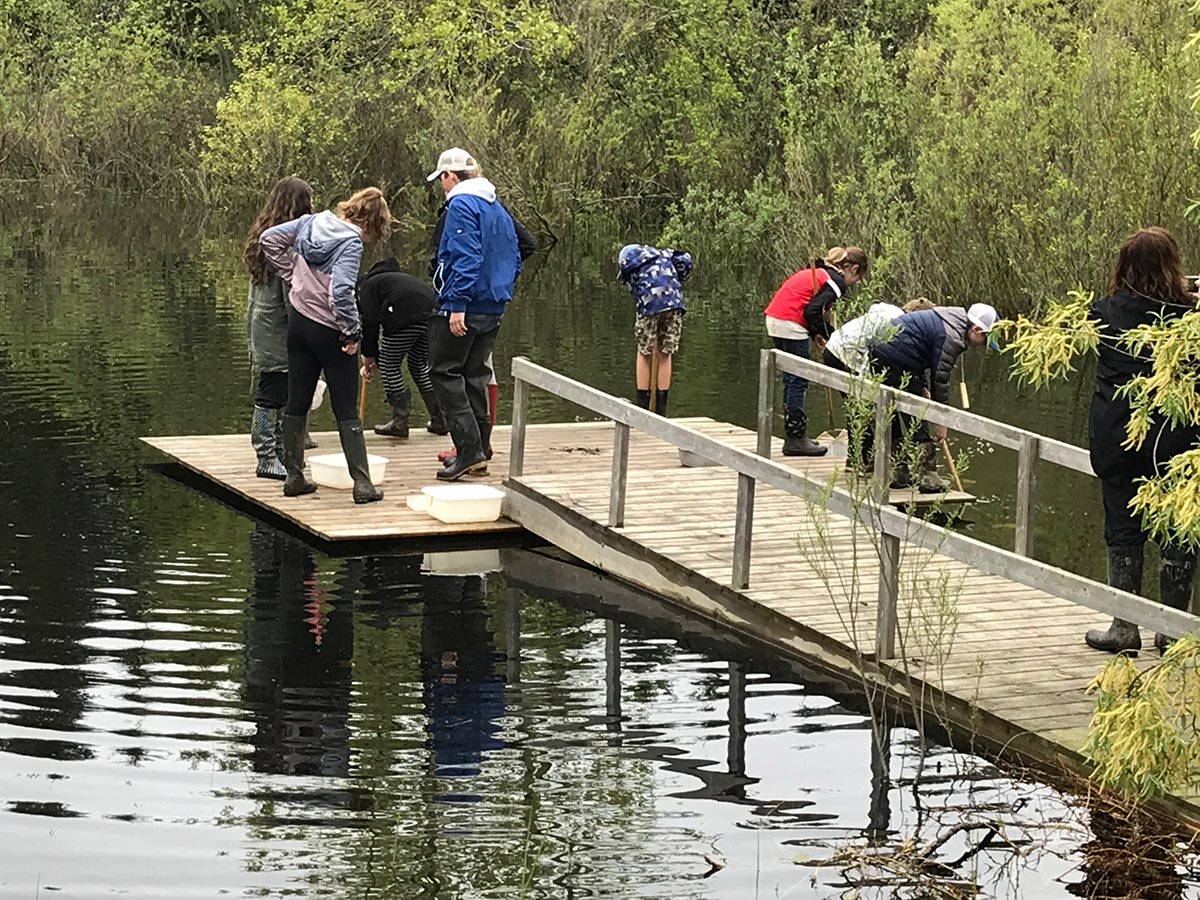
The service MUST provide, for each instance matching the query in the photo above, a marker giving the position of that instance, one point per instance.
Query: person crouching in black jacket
(1146, 286)
(401, 305)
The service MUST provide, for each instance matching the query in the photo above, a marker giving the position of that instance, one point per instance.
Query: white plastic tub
(693, 460)
(418, 502)
(460, 503)
(329, 470)
(461, 562)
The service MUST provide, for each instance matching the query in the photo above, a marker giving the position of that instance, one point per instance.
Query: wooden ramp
(985, 641)
(1006, 661)
(582, 449)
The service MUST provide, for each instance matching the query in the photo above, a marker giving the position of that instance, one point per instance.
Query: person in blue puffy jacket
(920, 356)
(477, 262)
(654, 277)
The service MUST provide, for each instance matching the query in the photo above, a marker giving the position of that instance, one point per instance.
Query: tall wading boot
(643, 398)
(795, 440)
(355, 450)
(929, 481)
(437, 422)
(294, 429)
(485, 435)
(1124, 573)
(660, 401)
(1175, 575)
(469, 455)
(262, 439)
(397, 427)
(901, 472)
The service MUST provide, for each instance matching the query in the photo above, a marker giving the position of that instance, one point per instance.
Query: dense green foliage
(973, 146)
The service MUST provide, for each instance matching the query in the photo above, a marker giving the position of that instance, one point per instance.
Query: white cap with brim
(984, 317)
(456, 159)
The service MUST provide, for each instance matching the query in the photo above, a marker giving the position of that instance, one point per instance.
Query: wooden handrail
(1066, 455)
(1029, 445)
(881, 518)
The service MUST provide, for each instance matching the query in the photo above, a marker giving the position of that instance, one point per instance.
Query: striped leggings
(411, 343)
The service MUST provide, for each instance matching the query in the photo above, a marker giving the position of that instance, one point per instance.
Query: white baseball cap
(984, 316)
(456, 159)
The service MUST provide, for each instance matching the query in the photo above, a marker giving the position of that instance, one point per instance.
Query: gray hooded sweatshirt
(318, 256)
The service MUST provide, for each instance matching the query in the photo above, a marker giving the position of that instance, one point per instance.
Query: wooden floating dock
(572, 449)
(954, 630)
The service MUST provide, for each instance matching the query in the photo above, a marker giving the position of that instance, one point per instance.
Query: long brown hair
(291, 199)
(1148, 264)
(368, 210)
(840, 257)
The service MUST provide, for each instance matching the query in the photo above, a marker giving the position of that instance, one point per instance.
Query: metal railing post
(766, 401)
(1026, 486)
(516, 452)
(743, 532)
(620, 476)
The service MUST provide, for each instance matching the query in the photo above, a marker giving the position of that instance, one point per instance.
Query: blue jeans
(794, 387)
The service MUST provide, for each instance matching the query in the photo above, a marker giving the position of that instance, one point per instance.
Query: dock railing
(892, 526)
(1030, 446)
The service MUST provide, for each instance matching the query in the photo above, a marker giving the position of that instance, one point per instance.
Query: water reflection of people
(464, 695)
(297, 676)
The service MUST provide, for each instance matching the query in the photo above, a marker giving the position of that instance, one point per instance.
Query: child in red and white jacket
(800, 310)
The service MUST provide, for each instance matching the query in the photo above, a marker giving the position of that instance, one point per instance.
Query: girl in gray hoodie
(318, 256)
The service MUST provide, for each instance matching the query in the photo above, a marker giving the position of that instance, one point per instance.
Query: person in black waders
(1146, 286)
(802, 309)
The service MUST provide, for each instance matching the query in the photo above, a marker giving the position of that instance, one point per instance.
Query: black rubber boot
(485, 438)
(901, 477)
(398, 426)
(1124, 573)
(294, 430)
(660, 401)
(929, 481)
(795, 440)
(1175, 574)
(643, 399)
(355, 450)
(485, 434)
(279, 435)
(262, 439)
(437, 422)
(470, 455)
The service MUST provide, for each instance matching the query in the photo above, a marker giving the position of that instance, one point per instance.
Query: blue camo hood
(319, 238)
(654, 276)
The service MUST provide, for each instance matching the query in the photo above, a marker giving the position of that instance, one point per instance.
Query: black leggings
(272, 390)
(313, 348)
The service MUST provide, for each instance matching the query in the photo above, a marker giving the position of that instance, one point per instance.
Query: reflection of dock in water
(224, 464)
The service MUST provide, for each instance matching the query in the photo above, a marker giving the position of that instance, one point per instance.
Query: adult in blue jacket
(921, 355)
(477, 263)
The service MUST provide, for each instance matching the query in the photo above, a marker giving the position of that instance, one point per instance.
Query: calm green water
(193, 705)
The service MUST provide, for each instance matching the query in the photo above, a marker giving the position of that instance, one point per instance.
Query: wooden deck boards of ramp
(1008, 653)
(564, 450)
